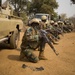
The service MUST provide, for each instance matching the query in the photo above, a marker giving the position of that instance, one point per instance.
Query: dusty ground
(64, 64)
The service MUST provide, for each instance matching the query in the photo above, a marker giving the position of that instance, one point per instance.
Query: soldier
(51, 25)
(30, 41)
(44, 22)
(54, 30)
(57, 30)
(61, 24)
(46, 25)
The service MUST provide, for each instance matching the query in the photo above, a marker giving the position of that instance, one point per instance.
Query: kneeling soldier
(31, 41)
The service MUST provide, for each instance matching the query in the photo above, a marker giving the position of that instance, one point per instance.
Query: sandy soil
(64, 64)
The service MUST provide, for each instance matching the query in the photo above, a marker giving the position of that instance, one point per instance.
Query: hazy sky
(65, 6)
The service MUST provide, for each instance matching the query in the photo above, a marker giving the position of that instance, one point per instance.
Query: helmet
(52, 22)
(43, 18)
(34, 21)
(59, 22)
(55, 23)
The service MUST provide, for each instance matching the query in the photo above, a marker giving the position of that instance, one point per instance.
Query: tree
(20, 8)
(44, 6)
(63, 16)
(35, 6)
(19, 5)
(46, 9)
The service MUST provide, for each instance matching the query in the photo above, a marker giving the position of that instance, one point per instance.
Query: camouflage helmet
(55, 23)
(43, 17)
(52, 22)
(59, 22)
(34, 21)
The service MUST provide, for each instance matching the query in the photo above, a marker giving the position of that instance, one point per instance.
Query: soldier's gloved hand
(56, 53)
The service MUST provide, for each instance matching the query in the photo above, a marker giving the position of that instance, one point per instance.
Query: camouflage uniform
(30, 42)
(46, 25)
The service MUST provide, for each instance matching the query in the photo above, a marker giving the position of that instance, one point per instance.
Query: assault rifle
(44, 34)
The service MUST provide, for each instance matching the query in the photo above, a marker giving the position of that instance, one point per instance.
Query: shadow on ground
(16, 58)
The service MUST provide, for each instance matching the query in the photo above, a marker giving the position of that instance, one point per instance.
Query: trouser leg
(31, 56)
(41, 51)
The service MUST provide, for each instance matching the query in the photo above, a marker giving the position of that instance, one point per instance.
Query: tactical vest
(30, 38)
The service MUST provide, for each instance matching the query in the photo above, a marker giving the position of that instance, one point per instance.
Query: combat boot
(41, 56)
